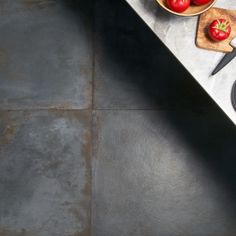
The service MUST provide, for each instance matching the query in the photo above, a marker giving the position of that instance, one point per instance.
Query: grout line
(109, 109)
(91, 172)
(94, 52)
(44, 109)
(156, 109)
(92, 113)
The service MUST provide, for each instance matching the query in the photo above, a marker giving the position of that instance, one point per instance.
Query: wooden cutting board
(203, 40)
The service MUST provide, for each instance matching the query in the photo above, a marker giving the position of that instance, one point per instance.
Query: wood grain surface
(203, 40)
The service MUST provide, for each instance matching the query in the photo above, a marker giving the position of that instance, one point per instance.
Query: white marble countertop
(178, 34)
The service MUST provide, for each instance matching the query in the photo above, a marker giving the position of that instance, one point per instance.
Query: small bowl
(193, 10)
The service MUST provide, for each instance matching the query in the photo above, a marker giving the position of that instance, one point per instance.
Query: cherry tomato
(200, 2)
(219, 29)
(178, 5)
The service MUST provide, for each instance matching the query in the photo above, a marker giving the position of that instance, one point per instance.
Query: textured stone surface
(133, 69)
(45, 173)
(178, 34)
(45, 54)
(164, 173)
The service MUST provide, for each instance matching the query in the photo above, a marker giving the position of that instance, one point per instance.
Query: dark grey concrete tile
(45, 180)
(45, 54)
(133, 68)
(164, 174)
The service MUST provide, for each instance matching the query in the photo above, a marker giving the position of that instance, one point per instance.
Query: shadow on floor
(125, 40)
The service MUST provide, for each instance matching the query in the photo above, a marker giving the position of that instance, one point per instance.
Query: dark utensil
(233, 96)
(227, 58)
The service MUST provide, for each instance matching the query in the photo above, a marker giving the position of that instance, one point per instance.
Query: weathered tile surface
(45, 173)
(133, 69)
(45, 54)
(164, 174)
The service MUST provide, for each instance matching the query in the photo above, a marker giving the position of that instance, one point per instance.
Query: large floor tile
(45, 54)
(45, 173)
(164, 174)
(133, 69)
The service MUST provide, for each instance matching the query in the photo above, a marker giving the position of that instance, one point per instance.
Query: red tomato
(178, 5)
(201, 2)
(219, 29)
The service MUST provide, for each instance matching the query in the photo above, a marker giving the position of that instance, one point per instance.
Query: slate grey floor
(45, 173)
(45, 54)
(103, 132)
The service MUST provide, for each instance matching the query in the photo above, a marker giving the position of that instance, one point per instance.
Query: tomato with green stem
(219, 30)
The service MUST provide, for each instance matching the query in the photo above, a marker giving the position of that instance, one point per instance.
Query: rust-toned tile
(45, 181)
(46, 54)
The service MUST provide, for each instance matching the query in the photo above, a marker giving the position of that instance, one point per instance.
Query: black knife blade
(225, 60)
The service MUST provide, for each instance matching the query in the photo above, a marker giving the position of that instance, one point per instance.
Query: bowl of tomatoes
(186, 7)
